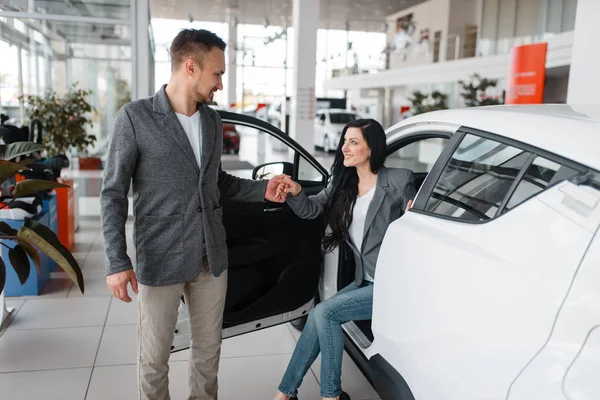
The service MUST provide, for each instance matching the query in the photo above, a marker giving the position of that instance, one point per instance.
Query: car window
(418, 156)
(476, 180)
(244, 148)
(541, 174)
(342, 118)
(308, 173)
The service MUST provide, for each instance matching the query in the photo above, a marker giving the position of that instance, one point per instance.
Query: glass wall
(509, 23)
(265, 57)
(82, 43)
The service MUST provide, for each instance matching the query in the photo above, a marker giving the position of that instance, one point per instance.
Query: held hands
(273, 192)
(280, 187)
(289, 188)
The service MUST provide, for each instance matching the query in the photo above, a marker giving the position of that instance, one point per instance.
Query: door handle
(273, 209)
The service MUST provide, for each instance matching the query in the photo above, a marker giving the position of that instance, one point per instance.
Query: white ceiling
(362, 15)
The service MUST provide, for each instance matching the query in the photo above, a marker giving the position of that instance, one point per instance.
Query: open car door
(274, 257)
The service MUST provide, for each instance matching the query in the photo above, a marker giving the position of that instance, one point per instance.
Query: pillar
(142, 56)
(231, 88)
(302, 107)
(584, 84)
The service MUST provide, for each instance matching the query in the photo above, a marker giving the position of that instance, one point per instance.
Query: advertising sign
(527, 74)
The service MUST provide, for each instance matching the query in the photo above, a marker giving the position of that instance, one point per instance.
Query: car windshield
(342, 118)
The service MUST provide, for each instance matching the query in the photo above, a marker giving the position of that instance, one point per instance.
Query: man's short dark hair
(194, 44)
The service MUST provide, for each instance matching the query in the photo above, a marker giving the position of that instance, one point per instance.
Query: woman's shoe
(344, 396)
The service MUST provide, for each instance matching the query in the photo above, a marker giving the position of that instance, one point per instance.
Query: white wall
(432, 15)
(584, 83)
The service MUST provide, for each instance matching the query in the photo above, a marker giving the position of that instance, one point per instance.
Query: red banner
(527, 74)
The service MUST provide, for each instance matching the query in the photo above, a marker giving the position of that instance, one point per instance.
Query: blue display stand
(36, 282)
(50, 207)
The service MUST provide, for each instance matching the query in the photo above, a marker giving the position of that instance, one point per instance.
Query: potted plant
(422, 103)
(32, 236)
(475, 92)
(64, 120)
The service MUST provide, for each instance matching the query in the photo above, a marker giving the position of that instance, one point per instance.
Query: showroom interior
(292, 66)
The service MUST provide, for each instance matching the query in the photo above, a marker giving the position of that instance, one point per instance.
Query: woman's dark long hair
(340, 203)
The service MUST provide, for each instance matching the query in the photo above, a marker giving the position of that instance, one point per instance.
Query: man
(168, 147)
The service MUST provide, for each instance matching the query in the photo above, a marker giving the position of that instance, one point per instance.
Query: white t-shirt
(191, 126)
(357, 227)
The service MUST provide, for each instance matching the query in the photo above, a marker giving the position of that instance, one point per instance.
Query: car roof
(569, 131)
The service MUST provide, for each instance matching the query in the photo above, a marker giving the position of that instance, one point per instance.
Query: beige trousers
(157, 317)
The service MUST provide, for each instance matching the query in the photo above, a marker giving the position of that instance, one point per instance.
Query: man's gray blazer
(177, 213)
(394, 188)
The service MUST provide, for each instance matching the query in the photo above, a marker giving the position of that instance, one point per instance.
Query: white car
(328, 126)
(488, 288)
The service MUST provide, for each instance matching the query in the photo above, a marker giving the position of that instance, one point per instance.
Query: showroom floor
(62, 345)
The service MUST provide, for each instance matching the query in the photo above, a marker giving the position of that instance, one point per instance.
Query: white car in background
(488, 288)
(328, 127)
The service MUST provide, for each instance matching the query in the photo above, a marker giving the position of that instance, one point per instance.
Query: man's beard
(203, 99)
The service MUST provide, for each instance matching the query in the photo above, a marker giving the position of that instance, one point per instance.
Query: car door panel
(475, 290)
(565, 367)
(275, 262)
(478, 307)
(274, 256)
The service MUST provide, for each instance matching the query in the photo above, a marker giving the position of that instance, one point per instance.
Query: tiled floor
(62, 345)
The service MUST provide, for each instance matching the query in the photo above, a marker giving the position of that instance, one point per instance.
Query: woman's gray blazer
(394, 188)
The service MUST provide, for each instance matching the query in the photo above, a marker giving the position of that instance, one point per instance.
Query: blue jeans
(323, 332)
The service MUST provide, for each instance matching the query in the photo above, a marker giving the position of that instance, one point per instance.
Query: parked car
(231, 139)
(328, 127)
(488, 288)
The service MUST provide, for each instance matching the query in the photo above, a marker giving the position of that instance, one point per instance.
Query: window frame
(436, 172)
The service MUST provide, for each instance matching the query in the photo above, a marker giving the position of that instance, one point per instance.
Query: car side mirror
(269, 170)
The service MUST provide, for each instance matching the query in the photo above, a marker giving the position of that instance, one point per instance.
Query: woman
(363, 198)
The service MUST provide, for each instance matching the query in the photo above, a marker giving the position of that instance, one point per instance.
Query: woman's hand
(289, 188)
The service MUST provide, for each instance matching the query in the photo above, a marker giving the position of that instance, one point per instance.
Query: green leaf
(31, 252)
(30, 186)
(46, 241)
(6, 230)
(8, 168)
(10, 151)
(27, 162)
(20, 263)
(2, 275)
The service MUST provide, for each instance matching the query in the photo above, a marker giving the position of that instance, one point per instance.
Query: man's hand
(117, 283)
(288, 187)
(272, 194)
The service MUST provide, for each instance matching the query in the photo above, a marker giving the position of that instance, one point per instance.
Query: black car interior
(274, 260)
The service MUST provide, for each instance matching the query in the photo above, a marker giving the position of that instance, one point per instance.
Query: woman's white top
(359, 216)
